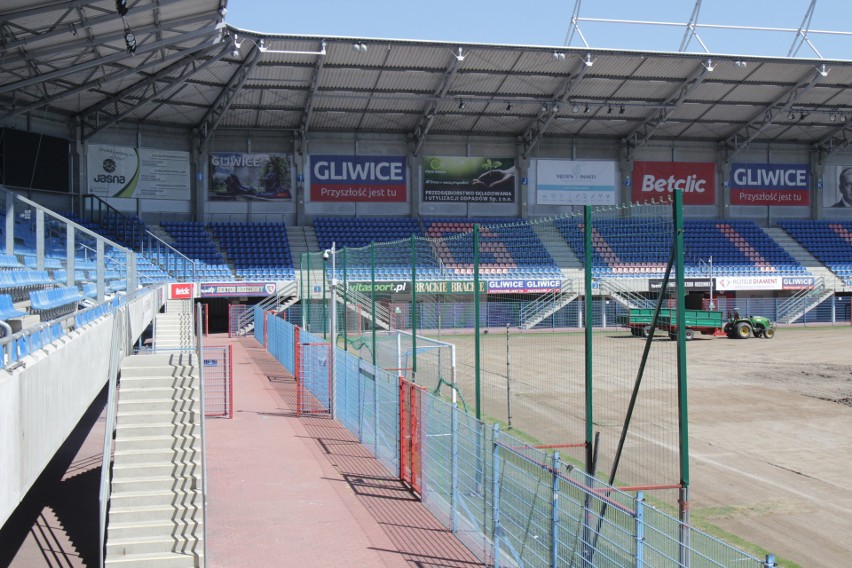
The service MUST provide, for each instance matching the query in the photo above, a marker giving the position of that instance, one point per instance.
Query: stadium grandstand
(174, 187)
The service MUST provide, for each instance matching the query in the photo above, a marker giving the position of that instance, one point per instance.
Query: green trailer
(705, 322)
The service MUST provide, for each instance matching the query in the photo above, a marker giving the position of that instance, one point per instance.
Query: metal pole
(495, 492)
(454, 472)
(683, 420)
(413, 309)
(712, 305)
(640, 529)
(476, 330)
(587, 233)
(554, 514)
(373, 295)
(508, 383)
(333, 355)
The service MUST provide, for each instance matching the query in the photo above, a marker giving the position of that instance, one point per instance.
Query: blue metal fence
(509, 503)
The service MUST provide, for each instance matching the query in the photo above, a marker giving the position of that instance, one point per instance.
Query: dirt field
(770, 424)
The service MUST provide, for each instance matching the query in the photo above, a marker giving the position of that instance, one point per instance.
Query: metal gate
(313, 379)
(218, 381)
(236, 315)
(410, 464)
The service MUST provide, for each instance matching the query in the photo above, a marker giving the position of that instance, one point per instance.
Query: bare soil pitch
(770, 423)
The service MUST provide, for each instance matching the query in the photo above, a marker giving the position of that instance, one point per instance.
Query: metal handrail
(199, 335)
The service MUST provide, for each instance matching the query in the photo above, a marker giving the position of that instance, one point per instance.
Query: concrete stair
(156, 507)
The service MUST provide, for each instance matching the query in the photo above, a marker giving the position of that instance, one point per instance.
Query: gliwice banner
(770, 184)
(235, 175)
(358, 178)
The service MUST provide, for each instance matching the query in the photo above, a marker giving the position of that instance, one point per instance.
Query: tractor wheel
(769, 332)
(689, 334)
(743, 330)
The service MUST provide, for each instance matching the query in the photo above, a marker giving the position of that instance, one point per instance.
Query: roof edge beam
(740, 140)
(208, 125)
(536, 129)
(428, 117)
(643, 133)
(134, 105)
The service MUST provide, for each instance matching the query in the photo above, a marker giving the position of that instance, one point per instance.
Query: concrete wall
(42, 401)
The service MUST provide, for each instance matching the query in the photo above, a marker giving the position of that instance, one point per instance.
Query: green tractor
(744, 327)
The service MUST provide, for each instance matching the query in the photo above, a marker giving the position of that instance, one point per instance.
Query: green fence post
(497, 532)
(587, 324)
(373, 295)
(476, 346)
(683, 418)
(554, 513)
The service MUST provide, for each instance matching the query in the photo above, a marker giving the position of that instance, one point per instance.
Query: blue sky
(546, 22)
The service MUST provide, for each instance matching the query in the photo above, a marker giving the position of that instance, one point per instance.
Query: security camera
(325, 255)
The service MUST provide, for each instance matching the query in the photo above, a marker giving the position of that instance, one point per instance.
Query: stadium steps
(156, 508)
(302, 240)
(800, 304)
(173, 329)
(556, 246)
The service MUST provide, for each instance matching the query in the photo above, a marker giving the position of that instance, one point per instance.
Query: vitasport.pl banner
(770, 184)
(575, 182)
(472, 180)
(236, 175)
(358, 178)
(656, 180)
(124, 171)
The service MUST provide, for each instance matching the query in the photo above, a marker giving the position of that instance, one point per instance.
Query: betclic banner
(142, 173)
(658, 180)
(837, 191)
(358, 178)
(240, 176)
(770, 184)
(471, 180)
(575, 182)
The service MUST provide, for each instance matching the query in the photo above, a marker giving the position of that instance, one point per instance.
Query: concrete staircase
(156, 507)
(301, 239)
(173, 329)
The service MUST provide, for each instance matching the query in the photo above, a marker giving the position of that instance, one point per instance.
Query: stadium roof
(190, 69)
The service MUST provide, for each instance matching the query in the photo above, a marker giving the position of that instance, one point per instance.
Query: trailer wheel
(743, 330)
(646, 331)
(769, 332)
(689, 334)
(634, 332)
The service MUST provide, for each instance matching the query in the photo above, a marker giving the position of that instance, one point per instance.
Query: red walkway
(288, 491)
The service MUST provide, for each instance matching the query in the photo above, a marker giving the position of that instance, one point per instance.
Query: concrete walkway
(288, 491)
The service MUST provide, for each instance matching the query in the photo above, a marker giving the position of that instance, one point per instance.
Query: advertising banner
(657, 180)
(181, 291)
(124, 171)
(358, 178)
(797, 282)
(727, 283)
(264, 177)
(770, 184)
(837, 190)
(575, 182)
(210, 289)
(523, 286)
(689, 284)
(471, 180)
